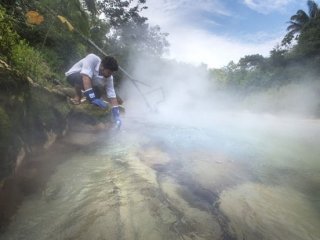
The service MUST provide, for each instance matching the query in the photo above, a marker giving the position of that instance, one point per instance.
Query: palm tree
(300, 20)
(297, 22)
(91, 6)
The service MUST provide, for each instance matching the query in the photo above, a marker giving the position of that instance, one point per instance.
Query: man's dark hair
(110, 63)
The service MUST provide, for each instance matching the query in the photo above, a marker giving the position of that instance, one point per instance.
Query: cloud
(267, 6)
(187, 6)
(199, 46)
(192, 37)
(167, 12)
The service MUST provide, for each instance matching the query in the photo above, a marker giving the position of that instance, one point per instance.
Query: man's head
(108, 66)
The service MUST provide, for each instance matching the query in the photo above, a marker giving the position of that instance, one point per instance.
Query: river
(157, 180)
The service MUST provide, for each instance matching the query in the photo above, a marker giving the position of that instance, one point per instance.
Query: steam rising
(186, 89)
(191, 97)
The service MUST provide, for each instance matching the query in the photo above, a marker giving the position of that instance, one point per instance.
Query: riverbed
(236, 177)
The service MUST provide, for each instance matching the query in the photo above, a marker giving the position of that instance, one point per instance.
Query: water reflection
(162, 181)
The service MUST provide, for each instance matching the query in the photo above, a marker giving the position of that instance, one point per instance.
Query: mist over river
(242, 176)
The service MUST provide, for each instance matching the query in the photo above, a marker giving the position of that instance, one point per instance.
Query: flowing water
(153, 180)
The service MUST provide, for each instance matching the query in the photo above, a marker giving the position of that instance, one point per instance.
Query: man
(88, 75)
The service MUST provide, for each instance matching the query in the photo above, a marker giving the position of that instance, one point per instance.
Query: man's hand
(100, 103)
(91, 97)
(118, 124)
(116, 116)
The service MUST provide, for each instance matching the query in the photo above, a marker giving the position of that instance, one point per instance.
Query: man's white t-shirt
(90, 66)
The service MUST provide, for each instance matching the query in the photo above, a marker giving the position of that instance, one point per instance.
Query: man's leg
(75, 80)
(78, 96)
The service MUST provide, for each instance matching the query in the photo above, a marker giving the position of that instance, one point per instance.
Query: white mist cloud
(267, 6)
(199, 46)
(190, 97)
(185, 95)
(185, 89)
(195, 44)
(185, 8)
(295, 99)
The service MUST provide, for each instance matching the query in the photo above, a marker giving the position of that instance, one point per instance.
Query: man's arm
(113, 102)
(89, 93)
(115, 112)
(110, 92)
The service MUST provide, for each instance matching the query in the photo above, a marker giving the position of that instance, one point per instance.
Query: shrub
(8, 36)
(30, 62)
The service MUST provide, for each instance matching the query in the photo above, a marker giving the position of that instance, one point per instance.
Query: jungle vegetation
(34, 41)
(294, 60)
(43, 49)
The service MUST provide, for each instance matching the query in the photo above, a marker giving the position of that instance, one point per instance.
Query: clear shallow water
(258, 180)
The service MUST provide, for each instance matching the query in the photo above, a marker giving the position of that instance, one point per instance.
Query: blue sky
(216, 31)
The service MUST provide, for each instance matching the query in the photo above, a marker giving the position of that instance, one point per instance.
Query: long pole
(134, 81)
(72, 29)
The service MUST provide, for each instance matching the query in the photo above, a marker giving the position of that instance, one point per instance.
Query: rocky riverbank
(32, 119)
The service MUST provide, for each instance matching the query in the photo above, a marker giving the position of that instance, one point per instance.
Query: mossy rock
(89, 113)
(11, 79)
(28, 112)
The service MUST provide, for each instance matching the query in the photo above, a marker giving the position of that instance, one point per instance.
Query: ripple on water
(258, 211)
(164, 183)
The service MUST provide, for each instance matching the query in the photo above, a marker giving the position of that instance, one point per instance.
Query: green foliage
(71, 9)
(61, 50)
(220, 76)
(53, 59)
(30, 62)
(309, 40)
(278, 57)
(8, 36)
(126, 30)
(251, 62)
(91, 6)
(57, 45)
(287, 63)
(299, 21)
(129, 31)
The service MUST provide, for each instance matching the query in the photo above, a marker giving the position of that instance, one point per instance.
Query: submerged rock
(258, 211)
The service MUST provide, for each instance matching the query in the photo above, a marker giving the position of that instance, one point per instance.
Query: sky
(215, 32)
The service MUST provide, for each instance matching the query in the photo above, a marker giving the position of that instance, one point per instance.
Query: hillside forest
(38, 44)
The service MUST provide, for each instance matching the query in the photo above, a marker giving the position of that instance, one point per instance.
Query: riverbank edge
(32, 119)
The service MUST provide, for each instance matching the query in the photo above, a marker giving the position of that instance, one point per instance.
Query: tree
(129, 31)
(300, 20)
(251, 62)
(119, 12)
(277, 57)
(9, 37)
(91, 6)
(309, 41)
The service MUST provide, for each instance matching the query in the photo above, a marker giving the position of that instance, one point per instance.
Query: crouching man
(88, 75)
